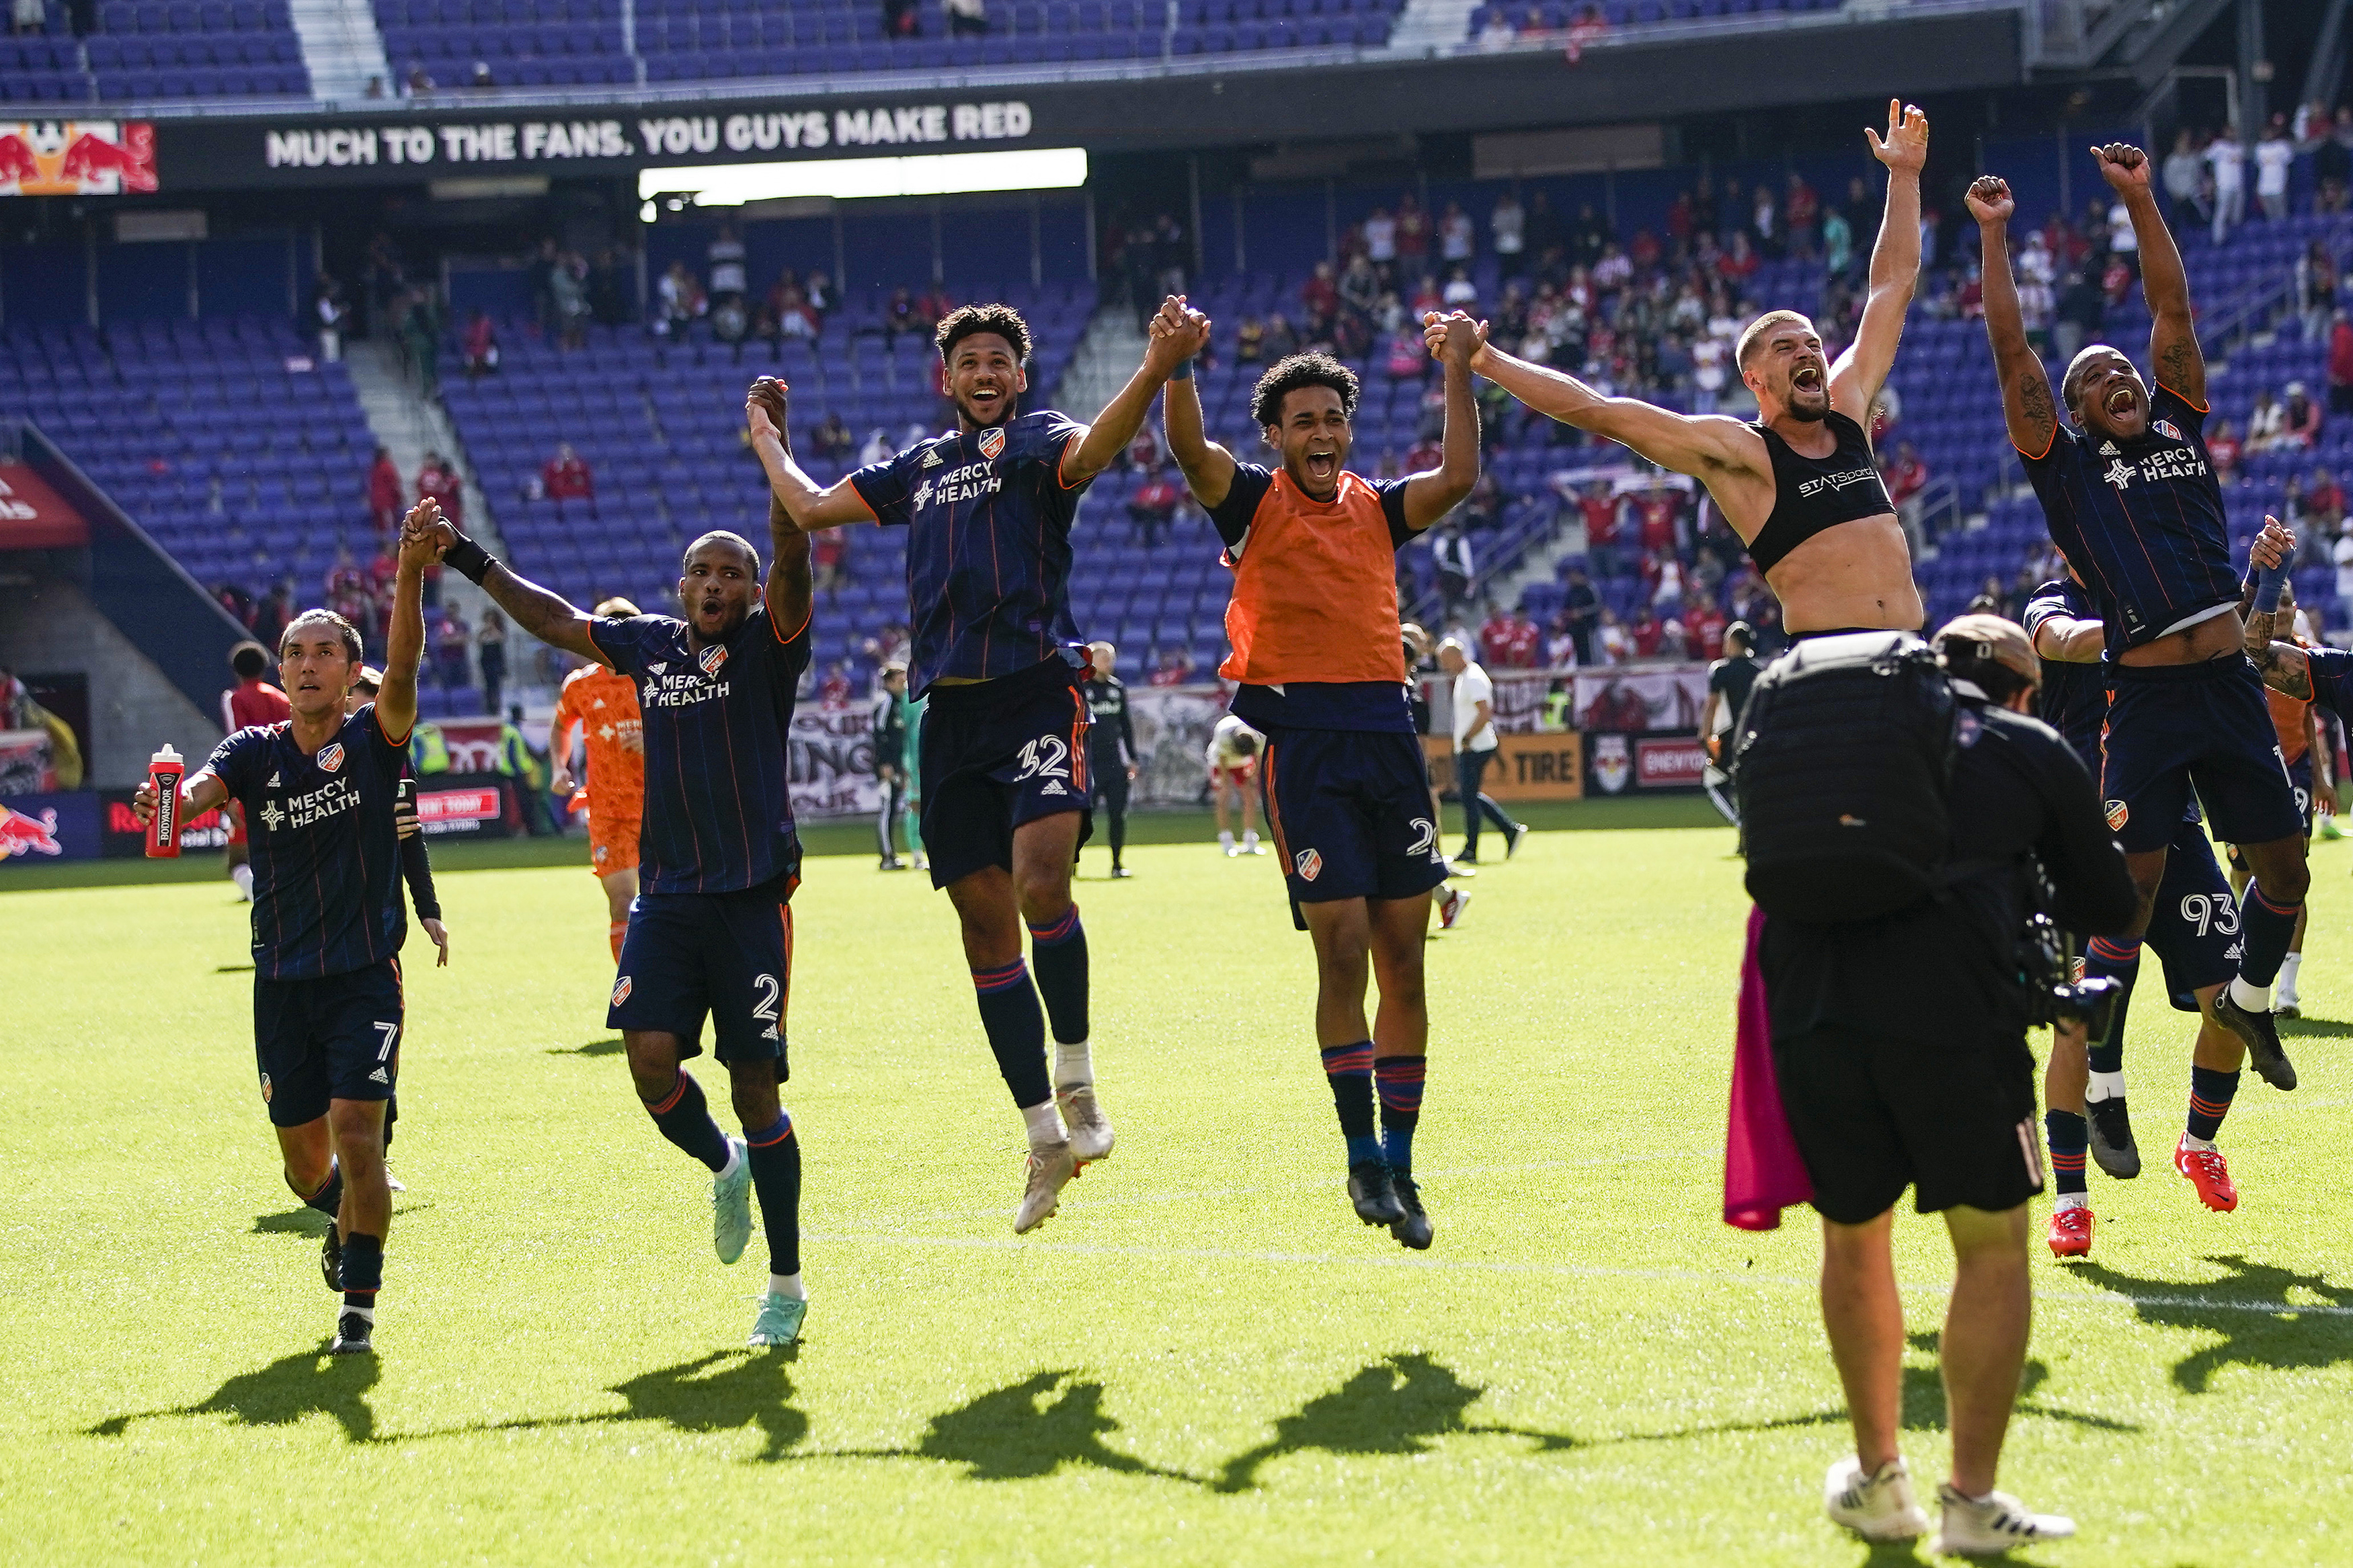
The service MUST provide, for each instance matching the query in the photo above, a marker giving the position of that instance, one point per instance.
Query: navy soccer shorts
(2173, 726)
(2194, 928)
(331, 1037)
(1351, 815)
(727, 956)
(999, 754)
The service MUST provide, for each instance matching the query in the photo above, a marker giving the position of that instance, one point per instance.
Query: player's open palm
(1904, 148)
(1990, 201)
(2123, 166)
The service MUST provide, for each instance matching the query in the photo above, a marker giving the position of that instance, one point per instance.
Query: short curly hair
(969, 321)
(1289, 375)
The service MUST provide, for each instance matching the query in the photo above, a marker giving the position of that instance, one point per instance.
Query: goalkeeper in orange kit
(604, 704)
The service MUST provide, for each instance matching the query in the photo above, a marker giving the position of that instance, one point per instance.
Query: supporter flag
(1762, 1172)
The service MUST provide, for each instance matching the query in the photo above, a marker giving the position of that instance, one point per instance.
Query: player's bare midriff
(2216, 636)
(1856, 575)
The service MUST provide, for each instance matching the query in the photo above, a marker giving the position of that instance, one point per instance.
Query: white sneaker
(1877, 1507)
(1050, 1170)
(1251, 846)
(1994, 1524)
(1089, 1129)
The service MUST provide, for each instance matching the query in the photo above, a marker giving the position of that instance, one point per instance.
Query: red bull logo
(77, 158)
(24, 835)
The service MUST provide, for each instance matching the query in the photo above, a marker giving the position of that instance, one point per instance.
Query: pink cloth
(1763, 1171)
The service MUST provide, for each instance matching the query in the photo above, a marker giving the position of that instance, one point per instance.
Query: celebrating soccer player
(988, 510)
(1800, 486)
(2132, 501)
(601, 702)
(711, 930)
(318, 789)
(1314, 624)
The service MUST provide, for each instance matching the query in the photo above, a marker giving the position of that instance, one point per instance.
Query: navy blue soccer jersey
(718, 808)
(326, 854)
(2140, 521)
(988, 547)
(2332, 680)
(2074, 697)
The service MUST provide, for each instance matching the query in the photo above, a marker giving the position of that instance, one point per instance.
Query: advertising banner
(121, 837)
(77, 158)
(1643, 697)
(38, 828)
(1526, 767)
(453, 804)
(829, 762)
(1643, 764)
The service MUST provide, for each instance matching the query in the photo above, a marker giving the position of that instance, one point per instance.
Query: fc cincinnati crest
(710, 658)
(2167, 428)
(621, 991)
(992, 442)
(1311, 865)
(330, 757)
(2119, 815)
(265, 1089)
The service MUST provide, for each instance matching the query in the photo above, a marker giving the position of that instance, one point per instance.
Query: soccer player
(600, 702)
(888, 734)
(988, 509)
(2132, 501)
(2193, 929)
(1231, 757)
(252, 702)
(318, 787)
(711, 930)
(1800, 486)
(1111, 757)
(2304, 745)
(1322, 673)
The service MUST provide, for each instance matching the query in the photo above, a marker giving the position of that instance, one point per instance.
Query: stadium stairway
(408, 426)
(341, 46)
(1107, 356)
(1431, 27)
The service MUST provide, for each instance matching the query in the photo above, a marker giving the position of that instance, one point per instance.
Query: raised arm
(1114, 428)
(404, 641)
(807, 505)
(2025, 384)
(1208, 468)
(2285, 666)
(1431, 495)
(549, 616)
(1705, 446)
(1862, 371)
(2173, 336)
(2066, 639)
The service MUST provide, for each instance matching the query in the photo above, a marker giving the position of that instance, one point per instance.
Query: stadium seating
(1547, 16)
(142, 51)
(525, 43)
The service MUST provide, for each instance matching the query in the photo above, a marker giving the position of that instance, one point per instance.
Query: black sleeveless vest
(1811, 494)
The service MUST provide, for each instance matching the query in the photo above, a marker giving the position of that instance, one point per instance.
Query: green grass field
(1203, 1359)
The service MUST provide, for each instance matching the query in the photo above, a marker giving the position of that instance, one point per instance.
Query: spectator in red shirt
(2341, 366)
(1645, 633)
(835, 690)
(1703, 626)
(2223, 445)
(385, 503)
(827, 551)
(1600, 509)
(1494, 636)
(1517, 642)
(1321, 293)
(481, 347)
(1659, 511)
(565, 477)
(1801, 209)
(1154, 507)
(439, 481)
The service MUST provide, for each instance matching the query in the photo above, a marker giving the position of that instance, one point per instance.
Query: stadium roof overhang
(1652, 75)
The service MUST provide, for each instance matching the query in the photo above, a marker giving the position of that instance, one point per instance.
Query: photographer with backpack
(1905, 818)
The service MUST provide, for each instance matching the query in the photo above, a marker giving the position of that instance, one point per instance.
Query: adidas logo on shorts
(377, 1077)
(1053, 787)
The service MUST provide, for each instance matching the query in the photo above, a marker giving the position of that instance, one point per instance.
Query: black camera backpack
(1841, 770)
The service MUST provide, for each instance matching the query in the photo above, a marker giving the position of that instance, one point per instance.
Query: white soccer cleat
(1089, 1129)
(1994, 1524)
(1050, 1170)
(1877, 1507)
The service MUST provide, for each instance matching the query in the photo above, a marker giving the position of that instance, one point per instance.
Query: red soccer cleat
(2208, 1173)
(2070, 1232)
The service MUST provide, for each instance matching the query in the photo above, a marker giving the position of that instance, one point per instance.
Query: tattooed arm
(2284, 666)
(2173, 339)
(2025, 388)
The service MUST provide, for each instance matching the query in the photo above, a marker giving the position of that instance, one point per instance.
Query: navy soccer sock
(2117, 960)
(1398, 1080)
(2070, 1137)
(1350, 1070)
(2211, 1094)
(684, 1119)
(1016, 1030)
(363, 1269)
(775, 1156)
(1058, 950)
(329, 1199)
(2266, 928)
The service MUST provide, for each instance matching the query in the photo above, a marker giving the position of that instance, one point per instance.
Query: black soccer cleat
(2112, 1138)
(330, 1258)
(2261, 1036)
(1413, 1230)
(1374, 1195)
(354, 1335)
(1512, 840)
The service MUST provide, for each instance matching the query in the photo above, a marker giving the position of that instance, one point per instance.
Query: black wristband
(470, 560)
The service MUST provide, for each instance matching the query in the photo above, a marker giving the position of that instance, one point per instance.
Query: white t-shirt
(1707, 363)
(726, 266)
(1380, 238)
(1225, 749)
(1455, 236)
(2121, 237)
(2227, 158)
(1470, 688)
(2344, 554)
(2273, 161)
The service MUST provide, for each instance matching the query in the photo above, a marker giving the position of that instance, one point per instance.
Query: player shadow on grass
(612, 1048)
(1924, 1393)
(721, 1392)
(2315, 1028)
(1397, 1405)
(1018, 1433)
(2248, 1308)
(281, 1394)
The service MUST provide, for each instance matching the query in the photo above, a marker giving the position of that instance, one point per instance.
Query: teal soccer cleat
(731, 1206)
(779, 1323)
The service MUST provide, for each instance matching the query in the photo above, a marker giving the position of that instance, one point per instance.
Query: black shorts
(1350, 813)
(2194, 928)
(332, 1036)
(725, 955)
(2172, 726)
(999, 755)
